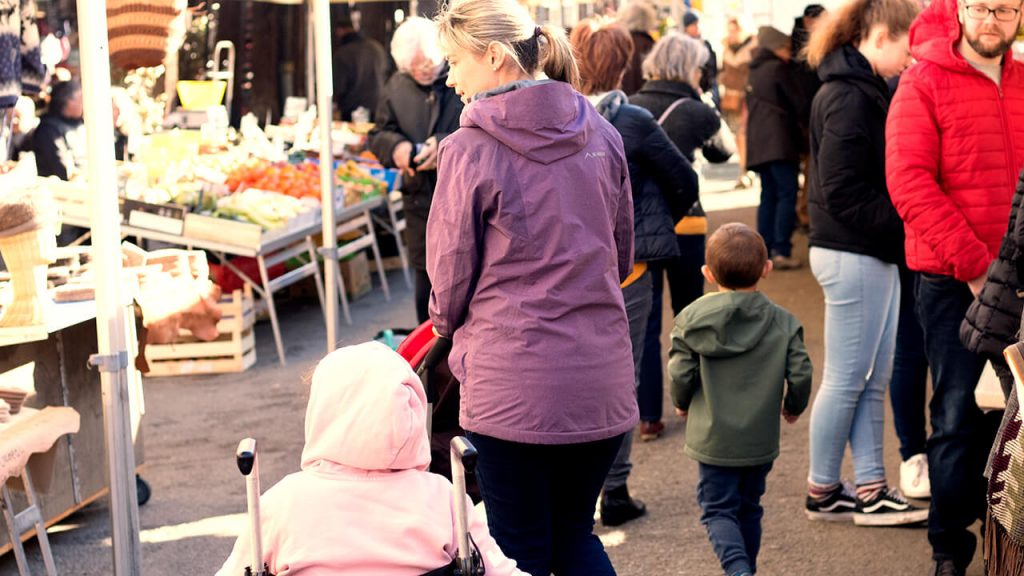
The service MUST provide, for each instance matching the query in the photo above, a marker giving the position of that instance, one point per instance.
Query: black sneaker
(618, 507)
(838, 507)
(888, 508)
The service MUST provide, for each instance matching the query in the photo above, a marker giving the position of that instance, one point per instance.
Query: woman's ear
(495, 56)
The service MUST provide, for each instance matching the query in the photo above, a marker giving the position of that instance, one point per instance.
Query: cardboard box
(355, 274)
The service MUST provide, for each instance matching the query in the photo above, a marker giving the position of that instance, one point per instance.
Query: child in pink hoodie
(364, 502)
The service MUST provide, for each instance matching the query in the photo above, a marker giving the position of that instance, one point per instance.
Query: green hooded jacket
(732, 355)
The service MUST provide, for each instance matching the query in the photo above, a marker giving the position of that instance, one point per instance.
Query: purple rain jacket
(529, 236)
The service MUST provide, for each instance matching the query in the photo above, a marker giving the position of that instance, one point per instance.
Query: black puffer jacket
(993, 320)
(848, 201)
(664, 183)
(413, 113)
(691, 125)
(774, 102)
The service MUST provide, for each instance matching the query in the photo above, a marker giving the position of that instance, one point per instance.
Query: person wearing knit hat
(774, 137)
(771, 38)
(709, 72)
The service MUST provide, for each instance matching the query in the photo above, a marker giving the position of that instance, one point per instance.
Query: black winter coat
(993, 320)
(360, 67)
(663, 181)
(848, 201)
(691, 125)
(413, 113)
(774, 102)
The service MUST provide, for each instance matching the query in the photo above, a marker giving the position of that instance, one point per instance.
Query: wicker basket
(140, 31)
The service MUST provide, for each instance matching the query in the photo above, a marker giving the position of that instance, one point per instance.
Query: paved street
(193, 425)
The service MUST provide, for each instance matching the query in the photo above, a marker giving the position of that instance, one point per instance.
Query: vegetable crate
(233, 351)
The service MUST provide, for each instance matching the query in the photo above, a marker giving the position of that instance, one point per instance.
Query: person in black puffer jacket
(993, 321)
(856, 244)
(416, 112)
(673, 69)
(664, 188)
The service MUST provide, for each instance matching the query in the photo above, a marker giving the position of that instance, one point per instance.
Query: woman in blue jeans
(856, 243)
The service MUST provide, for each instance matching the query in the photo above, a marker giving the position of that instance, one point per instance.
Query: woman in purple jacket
(529, 236)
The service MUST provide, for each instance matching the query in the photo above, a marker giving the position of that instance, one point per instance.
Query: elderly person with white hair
(672, 94)
(415, 113)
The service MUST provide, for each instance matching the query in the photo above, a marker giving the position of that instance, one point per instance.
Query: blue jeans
(686, 284)
(776, 215)
(730, 499)
(909, 374)
(862, 307)
(956, 450)
(638, 307)
(540, 502)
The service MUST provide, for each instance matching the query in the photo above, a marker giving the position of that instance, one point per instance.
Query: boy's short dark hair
(736, 256)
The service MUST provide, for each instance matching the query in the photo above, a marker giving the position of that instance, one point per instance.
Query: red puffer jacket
(954, 145)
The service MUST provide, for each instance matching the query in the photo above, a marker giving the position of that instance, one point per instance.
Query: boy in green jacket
(733, 353)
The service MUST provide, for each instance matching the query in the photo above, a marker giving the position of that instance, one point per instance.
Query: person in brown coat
(639, 18)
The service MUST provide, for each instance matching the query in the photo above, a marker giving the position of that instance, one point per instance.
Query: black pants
(423, 286)
(540, 502)
(958, 446)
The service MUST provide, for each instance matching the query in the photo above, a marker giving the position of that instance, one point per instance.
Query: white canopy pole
(324, 96)
(112, 359)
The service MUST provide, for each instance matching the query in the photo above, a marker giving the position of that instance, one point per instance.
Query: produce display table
(274, 247)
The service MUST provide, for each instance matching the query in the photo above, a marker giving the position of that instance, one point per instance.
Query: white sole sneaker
(915, 516)
(914, 482)
(829, 516)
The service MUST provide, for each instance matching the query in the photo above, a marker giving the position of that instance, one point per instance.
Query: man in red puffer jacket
(955, 141)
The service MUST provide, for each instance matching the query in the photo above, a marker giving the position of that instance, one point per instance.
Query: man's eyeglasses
(981, 12)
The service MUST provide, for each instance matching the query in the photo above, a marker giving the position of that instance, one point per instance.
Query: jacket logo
(590, 155)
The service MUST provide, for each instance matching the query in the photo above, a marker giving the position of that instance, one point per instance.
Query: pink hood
(363, 503)
(366, 411)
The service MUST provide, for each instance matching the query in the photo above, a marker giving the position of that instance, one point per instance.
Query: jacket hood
(610, 105)
(728, 323)
(545, 122)
(367, 411)
(935, 32)
(847, 63)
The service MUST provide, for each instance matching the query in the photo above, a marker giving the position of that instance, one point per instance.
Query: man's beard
(989, 52)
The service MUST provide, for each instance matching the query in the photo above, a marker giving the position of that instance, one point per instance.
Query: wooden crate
(233, 351)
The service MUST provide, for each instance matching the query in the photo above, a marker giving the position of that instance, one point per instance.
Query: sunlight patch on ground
(229, 526)
(613, 538)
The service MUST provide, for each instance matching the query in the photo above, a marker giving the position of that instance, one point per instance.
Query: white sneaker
(914, 481)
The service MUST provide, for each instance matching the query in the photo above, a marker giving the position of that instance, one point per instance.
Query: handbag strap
(671, 107)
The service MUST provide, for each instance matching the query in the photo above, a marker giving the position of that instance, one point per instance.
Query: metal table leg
(20, 523)
(376, 255)
(269, 296)
(318, 276)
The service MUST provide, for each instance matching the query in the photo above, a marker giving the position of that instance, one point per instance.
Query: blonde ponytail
(557, 57)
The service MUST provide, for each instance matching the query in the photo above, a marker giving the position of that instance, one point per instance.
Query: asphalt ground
(193, 425)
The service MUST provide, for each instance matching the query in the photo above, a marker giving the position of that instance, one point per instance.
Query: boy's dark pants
(730, 499)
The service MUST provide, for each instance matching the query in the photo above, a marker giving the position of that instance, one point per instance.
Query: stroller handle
(464, 456)
(437, 354)
(245, 456)
(248, 465)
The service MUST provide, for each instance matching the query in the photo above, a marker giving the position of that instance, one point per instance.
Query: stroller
(463, 456)
(427, 353)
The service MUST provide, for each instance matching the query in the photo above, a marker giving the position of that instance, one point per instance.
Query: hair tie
(536, 31)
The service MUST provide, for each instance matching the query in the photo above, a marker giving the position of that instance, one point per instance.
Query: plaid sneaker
(839, 506)
(888, 508)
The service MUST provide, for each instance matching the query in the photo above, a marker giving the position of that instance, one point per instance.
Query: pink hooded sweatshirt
(364, 503)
